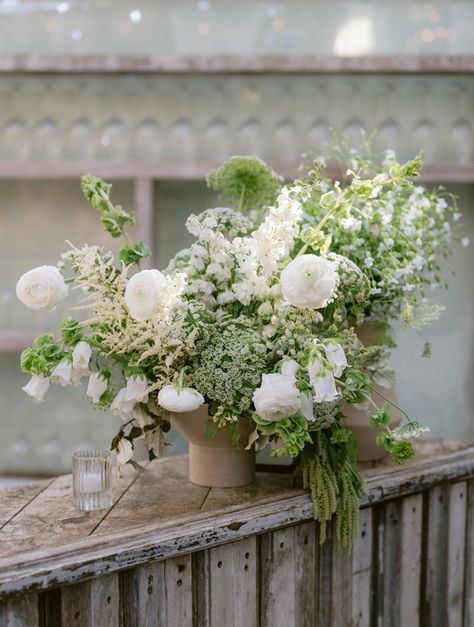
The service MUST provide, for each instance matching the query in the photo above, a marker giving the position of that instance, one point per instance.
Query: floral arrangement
(256, 318)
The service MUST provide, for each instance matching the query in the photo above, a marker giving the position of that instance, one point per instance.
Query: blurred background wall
(153, 94)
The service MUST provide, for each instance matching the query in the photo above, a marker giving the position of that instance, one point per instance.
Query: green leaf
(42, 357)
(133, 253)
(380, 417)
(135, 432)
(71, 333)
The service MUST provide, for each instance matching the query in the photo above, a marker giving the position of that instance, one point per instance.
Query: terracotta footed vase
(214, 462)
(358, 419)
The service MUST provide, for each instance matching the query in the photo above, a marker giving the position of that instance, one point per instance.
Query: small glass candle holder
(92, 480)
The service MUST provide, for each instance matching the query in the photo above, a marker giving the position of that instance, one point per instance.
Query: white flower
(307, 409)
(143, 293)
(37, 387)
(124, 451)
(368, 262)
(277, 397)
(323, 382)
(62, 373)
(289, 368)
(179, 400)
(351, 224)
(81, 356)
(309, 281)
(465, 242)
(136, 391)
(42, 288)
(336, 357)
(96, 386)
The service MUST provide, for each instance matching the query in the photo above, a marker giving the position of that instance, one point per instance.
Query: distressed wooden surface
(176, 555)
(159, 514)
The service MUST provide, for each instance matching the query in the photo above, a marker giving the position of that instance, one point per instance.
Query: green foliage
(246, 182)
(71, 333)
(293, 432)
(134, 252)
(357, 385)
(113, 217)
(400, 450)
(381, 416)
(42, 357)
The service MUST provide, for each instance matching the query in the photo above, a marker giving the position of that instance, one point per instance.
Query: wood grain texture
(14, 500)
(410, 578)
(94, 603)
(306, 574)
(362, 562)
(456, 553)
(468, 604)
(22, 612)
(141, 595)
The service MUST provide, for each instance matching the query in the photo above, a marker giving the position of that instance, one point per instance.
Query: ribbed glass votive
(92, 480)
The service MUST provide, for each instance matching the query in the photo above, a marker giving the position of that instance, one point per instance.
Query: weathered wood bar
(172, 554)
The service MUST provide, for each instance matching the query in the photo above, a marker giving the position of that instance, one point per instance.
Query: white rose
(179, 400)
(62, 374)
(337, 358)
(309, 281)
(42, 288)
(96, 386)
(277, 397)
(37, 387)
(124, 451)
(143, 293)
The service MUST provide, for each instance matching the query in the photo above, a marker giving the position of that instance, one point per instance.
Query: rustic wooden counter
(169, 553)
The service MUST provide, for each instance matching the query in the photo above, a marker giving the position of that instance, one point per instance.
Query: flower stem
(241, 201)
(393, 404)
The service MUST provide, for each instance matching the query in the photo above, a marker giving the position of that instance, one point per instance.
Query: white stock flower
(124, 451)
(309, 281)
(136, 391)
(42, 288)
(179, 400)
(143, 293)
(96, 386)
(336, 357)
(37, 387)
(61, 374)
(277, 397)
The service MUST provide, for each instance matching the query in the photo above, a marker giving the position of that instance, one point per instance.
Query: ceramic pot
(358, 419)
(214, 462)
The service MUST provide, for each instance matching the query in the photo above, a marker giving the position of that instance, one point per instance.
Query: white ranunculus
(309, 281)
(62, 373)
(42, 288)
(124, 451)
(37, 387)
(179, 400)
(135, 391)
(143, 293)
(277, 397)
(96, 386)
(323, 382)
(337, 358)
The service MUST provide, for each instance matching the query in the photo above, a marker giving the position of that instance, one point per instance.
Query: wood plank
(13, 500)
(235, 63)
(469, 580)
(341, 597)
(277, 579)
(21, 612)
(392, 563)
(179, 592)
(49, 608)
(362, 560)
(50, 519)
(233, 584)
(141, 595)
(325, 558)
(201, 588)
(434, 610)
(94, 603)
(306, 576)
(410, 576)
(456, 553)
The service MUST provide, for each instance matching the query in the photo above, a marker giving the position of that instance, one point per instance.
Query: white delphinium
(322, 381)
(37, 387)
(336, 357)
